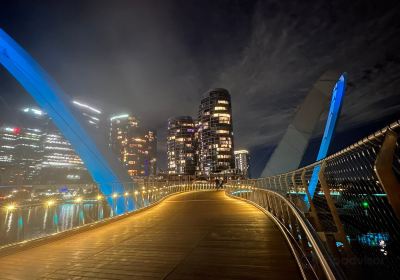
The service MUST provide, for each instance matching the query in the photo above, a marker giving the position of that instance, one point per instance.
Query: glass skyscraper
(181, 147)
(136, 147)
(215, 133)
(151, 166)
(242, 162)
(33, 151)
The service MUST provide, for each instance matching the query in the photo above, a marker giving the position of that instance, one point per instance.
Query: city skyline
(34, 151)
(204, 146)
(97, 119)
(245, 50)
(184, 139)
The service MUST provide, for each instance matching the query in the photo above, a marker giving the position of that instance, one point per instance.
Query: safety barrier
(342, 213)
(55, 213)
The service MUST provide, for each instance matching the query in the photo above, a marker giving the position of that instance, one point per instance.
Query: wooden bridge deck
(203, 235)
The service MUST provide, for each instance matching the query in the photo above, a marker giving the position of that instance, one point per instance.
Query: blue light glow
(334, 113)
(373, 239)
(56, 104)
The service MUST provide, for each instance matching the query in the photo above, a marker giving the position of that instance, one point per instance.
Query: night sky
(157, 58)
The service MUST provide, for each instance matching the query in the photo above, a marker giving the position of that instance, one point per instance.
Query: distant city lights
(122, 116)
(50, 203)
(241, 152)
(86, 106)
(11, 207)
(73, 176)
(33, 110)
(16, 130)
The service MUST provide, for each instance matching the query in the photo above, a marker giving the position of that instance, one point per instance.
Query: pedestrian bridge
(335, 219)
(266, 228)
(194, 235)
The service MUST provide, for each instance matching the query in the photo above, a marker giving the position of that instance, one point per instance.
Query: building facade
(181, 147)
(242, 162)
(21, 154)
(35, 152)
(135, 147)
(92, 115)
(151, 137)
(215, 133)
(60, 163)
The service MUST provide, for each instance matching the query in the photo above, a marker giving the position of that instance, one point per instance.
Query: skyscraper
(29, 149)
(60, 163)
(35, 152)
(181, 148)
(90, 113)
(20, 154)
(135, 146)
(151, 168)
(215, 133)
(242, 162)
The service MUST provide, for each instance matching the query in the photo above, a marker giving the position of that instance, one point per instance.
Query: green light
(365, 204)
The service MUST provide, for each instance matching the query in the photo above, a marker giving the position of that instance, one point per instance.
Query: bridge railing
(342, 213)
(49, 211)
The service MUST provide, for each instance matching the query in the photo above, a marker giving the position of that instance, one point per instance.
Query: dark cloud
(292, 45)
(156, 58)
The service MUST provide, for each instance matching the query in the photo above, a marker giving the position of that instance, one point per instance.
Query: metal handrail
(329, 268)
(152, 194)
(326, 263)
(355, 180)
(368, 139)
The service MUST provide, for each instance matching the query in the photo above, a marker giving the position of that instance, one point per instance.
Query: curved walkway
(203, 235)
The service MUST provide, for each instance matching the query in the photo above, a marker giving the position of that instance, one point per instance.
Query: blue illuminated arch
(334, 113)
(101, 164)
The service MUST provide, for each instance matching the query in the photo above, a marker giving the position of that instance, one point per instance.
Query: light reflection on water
(37, 221)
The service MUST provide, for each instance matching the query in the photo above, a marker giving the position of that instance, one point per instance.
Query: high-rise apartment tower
(181, 146)
(135, 146)
(215, 133)
(242, 162)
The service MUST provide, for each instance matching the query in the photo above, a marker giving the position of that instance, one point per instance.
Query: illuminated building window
(221, 115)
(221, 131)
(219, 108)
(224, 120)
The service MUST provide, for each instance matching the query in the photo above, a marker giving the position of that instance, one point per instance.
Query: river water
(37, 221)
(33, 222)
